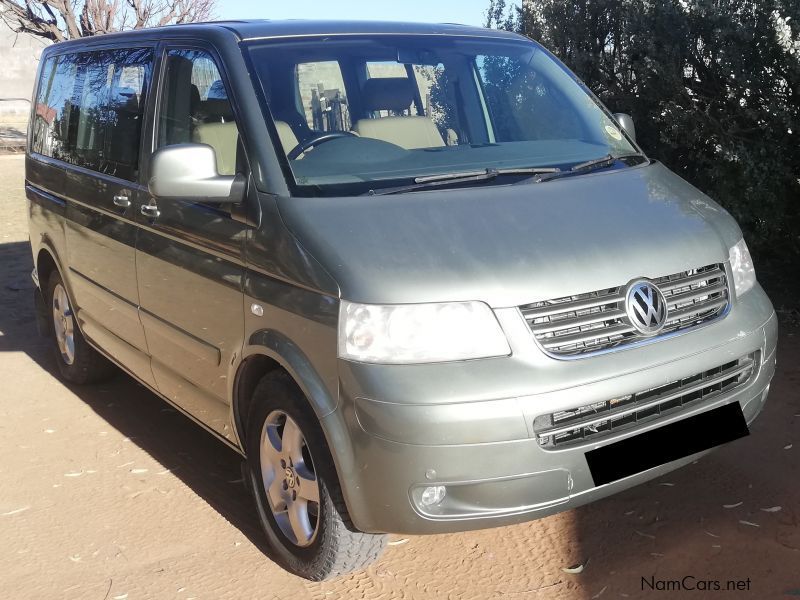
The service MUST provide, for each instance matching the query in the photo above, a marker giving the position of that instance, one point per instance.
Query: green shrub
(713, 87)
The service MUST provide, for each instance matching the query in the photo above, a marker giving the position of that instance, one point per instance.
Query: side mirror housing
(626, 122)
(189, 171)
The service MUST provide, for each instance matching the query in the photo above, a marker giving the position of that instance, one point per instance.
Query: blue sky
(468, 12)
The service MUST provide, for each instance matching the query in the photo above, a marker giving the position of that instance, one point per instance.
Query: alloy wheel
(289, 479)
(63, 324)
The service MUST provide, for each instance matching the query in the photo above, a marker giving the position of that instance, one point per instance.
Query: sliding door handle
(122, 201)
(150, 211)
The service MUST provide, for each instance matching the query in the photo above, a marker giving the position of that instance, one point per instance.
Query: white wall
(19, 59)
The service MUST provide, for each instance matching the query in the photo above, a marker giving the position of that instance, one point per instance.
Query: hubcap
(63, 324)
(287, 472)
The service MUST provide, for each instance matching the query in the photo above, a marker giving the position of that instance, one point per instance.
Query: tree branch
(60, 20)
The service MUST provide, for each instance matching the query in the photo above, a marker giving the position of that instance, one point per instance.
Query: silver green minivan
(417, 275)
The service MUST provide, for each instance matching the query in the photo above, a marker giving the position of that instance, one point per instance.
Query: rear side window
(50, 124)
(89, 109)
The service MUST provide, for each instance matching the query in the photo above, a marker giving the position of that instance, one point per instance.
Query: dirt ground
(107, 493)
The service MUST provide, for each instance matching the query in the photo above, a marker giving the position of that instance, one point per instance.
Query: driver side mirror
(626, 122)
(189, 171)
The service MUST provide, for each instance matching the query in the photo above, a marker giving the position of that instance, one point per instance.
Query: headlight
(419, 333)
(744, 274)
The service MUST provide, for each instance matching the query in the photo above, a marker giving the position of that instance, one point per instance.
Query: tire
(327, 544)
(77, 361)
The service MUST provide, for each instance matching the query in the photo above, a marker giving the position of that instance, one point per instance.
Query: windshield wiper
(588, 166)
(432, 181)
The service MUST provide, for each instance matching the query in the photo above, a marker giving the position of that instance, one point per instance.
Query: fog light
(432, 495)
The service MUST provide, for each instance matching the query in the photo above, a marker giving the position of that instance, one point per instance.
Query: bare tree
(60, 20)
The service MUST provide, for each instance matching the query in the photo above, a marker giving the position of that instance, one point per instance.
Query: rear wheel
(296, 489)
(77, 361)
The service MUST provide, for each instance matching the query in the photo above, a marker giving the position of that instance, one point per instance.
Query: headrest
(217, 91)
(194, 97)
(127, 100)
(388, 93)
(210, 111)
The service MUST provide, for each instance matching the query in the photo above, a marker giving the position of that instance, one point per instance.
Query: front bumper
(469, 425)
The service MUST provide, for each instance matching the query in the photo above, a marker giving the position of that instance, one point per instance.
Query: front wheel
(296, 489)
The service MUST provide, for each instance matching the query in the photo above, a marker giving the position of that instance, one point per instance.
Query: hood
(509, 245)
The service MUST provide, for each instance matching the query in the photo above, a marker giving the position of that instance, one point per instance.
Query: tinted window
(195, 107)
(89, 109)
(51, 117)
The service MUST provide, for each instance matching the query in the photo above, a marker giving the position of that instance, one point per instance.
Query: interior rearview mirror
(626, 122)
(189, 171)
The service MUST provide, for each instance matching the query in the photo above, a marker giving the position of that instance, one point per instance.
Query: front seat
(396, 94)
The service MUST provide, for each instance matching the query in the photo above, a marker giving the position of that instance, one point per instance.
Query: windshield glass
(355, 114)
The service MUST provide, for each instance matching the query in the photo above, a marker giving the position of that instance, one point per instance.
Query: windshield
(356, 114)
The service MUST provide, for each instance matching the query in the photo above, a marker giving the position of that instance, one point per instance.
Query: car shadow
(196, 457)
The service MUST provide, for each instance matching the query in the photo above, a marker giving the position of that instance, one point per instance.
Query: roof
(298, 28)
(266, 29)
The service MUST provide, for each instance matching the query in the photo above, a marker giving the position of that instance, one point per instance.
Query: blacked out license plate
(665, 444)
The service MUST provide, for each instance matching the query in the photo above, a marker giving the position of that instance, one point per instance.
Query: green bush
(713, 87)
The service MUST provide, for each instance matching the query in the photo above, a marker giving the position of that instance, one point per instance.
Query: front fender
(281, 349)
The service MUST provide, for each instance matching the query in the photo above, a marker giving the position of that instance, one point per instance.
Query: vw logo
(646, 307)
(290, 478)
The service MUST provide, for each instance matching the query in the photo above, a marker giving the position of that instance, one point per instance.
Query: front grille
(583, 324)
(594, 421)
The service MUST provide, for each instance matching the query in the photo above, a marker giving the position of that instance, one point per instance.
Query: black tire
(87, 365)
(337, 547)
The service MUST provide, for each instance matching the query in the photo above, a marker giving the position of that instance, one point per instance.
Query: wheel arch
(269, 351)
(47, 262)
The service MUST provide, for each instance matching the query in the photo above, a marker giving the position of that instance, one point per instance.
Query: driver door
(189, 254)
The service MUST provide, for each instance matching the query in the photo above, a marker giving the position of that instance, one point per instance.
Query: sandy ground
(107, 493)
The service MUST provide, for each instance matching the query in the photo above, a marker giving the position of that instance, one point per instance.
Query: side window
(321, 93)
(51, 118)
(195, 108)
(89, 109)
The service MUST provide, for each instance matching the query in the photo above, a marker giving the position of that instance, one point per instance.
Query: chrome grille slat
(573, 306)
(584, 324)
(588, 335)
(596, 317)
(593, 421)
(668, 285)
(703, 383)
(698, 308)
(694, 294)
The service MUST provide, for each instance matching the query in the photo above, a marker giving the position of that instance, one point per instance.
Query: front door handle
(122, 201)
(150, 210)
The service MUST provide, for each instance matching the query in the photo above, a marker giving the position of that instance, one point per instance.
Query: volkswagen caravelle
(417, 275)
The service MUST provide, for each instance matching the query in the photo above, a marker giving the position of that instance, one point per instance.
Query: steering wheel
(320, 139)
